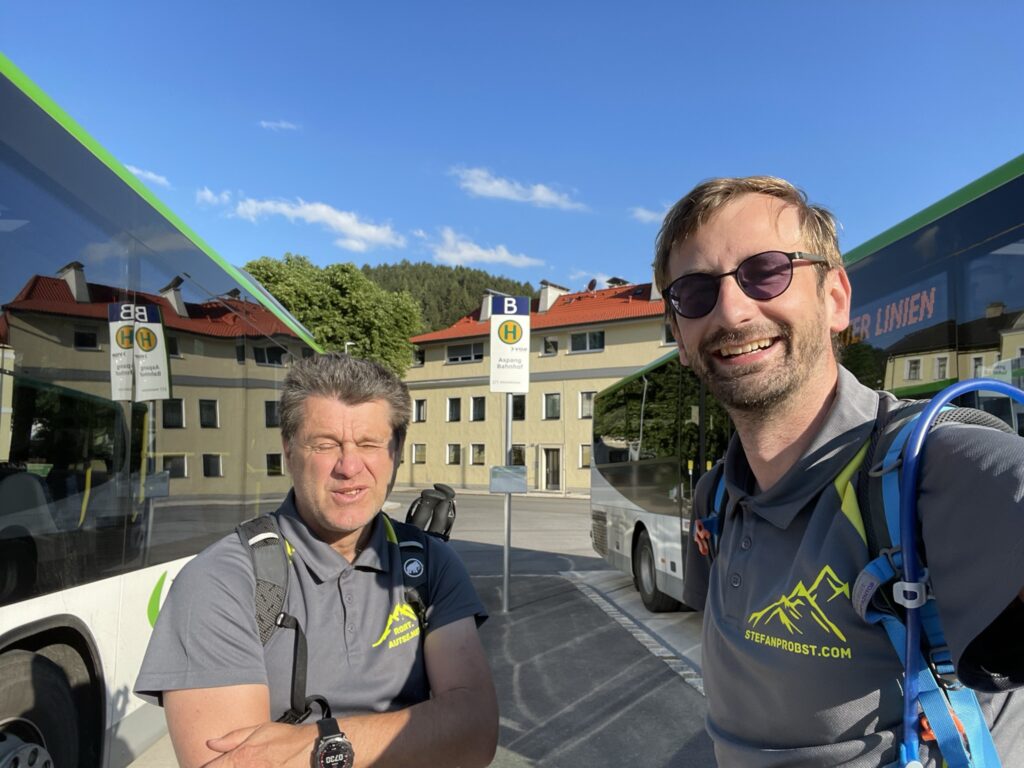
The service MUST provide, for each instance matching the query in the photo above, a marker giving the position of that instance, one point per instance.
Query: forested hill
(444, 293)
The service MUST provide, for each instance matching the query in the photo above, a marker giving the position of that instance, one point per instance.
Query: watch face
(334, 752)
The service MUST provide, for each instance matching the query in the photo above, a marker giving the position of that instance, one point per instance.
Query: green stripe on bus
(153, 609)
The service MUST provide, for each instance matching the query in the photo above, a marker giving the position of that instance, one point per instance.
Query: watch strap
(328, 727)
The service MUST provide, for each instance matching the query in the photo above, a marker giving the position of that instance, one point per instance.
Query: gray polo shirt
(364, 654)
(793, 676)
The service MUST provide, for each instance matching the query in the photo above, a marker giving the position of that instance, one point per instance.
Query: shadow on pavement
(574, 687)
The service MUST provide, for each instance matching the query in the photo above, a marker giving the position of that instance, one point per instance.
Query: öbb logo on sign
(510, 332)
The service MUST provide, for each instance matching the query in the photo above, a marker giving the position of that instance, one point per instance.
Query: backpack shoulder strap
(413, 548)
(270, 555)
(710, 496)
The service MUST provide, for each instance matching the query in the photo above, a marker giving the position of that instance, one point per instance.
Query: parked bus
(139, 380)
(936, 299)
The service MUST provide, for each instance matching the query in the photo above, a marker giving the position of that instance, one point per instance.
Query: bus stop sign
(510, 344)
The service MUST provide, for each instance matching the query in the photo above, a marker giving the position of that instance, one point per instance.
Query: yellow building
(580, 343)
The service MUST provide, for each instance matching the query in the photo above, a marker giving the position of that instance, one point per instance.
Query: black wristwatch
(332, 749)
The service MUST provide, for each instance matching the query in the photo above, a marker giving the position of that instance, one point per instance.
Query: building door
(552, 469)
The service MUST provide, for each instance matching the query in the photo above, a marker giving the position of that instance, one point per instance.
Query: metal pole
(508, 504)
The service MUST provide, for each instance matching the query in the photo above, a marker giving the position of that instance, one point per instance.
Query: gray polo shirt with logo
(793, 676)
(365, 652)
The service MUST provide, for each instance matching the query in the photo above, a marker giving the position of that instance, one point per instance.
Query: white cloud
(420, 234)
(647, 216)
(207, 196)
(456, 250)
(480, 182)
(356, 234)
(152, 178)
(600, 277)
(278, 125)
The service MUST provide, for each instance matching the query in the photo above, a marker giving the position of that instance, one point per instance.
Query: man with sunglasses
(756, 295)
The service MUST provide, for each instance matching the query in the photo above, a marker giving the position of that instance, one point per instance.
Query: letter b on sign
(510, 306)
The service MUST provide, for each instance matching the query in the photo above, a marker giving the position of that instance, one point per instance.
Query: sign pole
(508, 506)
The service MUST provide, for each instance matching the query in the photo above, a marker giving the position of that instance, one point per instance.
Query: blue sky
(537, 140)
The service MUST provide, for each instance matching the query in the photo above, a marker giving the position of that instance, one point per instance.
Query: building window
(552, 405)
(419, 453)
(172, 346)
(518, 407)
(669, 338)
(914, 369)
(550, 345)
(454, 409)
(590, 341)
(86, 339)
(240, 352)
(174, 413)
(419, 357)
(175, 465)
(419, 410)
(977, 366)
(274, 466)
(476, 453)
(454, 453)
(941, 368)
(208, 416)
(584, 455)
(517, 456)
(478, 411)
(272, 413)
(464, 353)
(211, 465)
(269, 355)
(587, 405)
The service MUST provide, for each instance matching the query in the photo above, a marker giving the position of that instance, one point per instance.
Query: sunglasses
(762, 276)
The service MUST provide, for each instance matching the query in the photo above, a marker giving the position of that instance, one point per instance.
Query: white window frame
(588, 347)
(216, 413)
(476, 353)
(521, 447)
(977, 366)
(419, 358)
(580, 413)
(280, 459)
(419, 411)
(472, 407)
(448, 413)
(584, 448)
(523, 401)
(184, 464)
(220, 464)
(163, 409)
(544, 402)
(422, 459)
(544, 346)
(82, 329)
(912, 363)
(448, 454)
(472, 454)
(944, 361)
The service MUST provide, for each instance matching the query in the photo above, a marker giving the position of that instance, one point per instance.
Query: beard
(757, 389)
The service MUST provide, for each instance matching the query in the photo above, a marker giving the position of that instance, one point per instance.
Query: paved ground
(585, 676)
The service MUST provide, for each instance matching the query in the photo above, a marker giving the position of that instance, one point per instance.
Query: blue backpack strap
(952, 716)
(707, 530)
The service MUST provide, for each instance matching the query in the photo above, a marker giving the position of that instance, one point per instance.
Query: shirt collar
(319, 557)
(846, 428)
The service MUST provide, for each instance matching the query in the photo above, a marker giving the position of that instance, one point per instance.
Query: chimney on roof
(995, 309)
(485, 304)
(549, 293)
(655, 293)
(74, 276)
(172, 292)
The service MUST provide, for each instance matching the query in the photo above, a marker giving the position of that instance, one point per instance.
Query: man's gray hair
(350, 380)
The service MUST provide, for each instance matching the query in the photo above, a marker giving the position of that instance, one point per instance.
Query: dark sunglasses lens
(765, 275)
(694, 295)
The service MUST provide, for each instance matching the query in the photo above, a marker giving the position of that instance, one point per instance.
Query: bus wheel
(654, 599)
(36, 708)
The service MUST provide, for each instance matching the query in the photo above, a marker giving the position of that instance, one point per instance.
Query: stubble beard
(757, 391)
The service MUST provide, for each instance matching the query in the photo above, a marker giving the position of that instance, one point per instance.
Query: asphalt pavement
(585, 676)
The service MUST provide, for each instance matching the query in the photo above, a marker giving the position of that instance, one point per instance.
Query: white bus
(937, 299)
(109, 482)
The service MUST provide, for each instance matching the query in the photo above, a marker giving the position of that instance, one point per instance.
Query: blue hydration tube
(908, 533)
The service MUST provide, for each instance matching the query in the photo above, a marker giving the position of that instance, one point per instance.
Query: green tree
(339, 304)
(444, 293)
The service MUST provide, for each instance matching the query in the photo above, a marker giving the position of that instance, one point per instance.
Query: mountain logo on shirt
(803, 605)
(403, 625)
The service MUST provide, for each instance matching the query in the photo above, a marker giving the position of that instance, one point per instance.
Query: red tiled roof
(624, 302)
(221, 317)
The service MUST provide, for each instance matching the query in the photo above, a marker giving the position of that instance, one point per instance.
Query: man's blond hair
(817, 224)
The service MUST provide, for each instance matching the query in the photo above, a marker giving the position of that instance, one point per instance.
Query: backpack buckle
(940, 663)
(911, 594)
